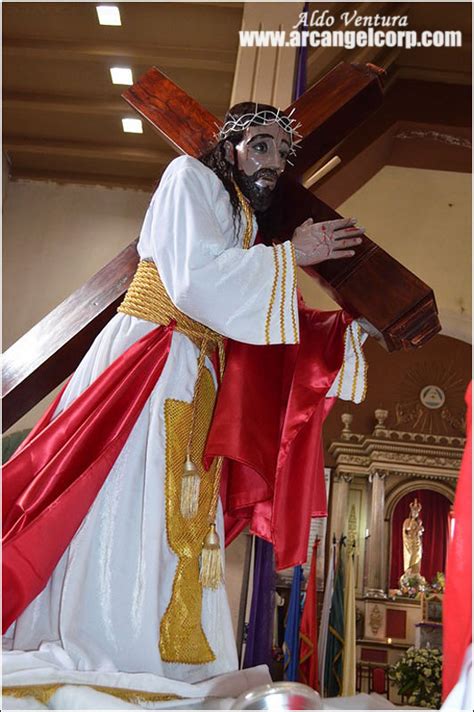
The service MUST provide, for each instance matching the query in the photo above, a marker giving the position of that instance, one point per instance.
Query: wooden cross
(394, 305)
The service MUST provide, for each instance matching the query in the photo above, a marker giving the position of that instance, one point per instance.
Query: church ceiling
(62, 114)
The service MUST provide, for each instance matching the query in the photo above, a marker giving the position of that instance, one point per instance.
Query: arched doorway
(435, 514)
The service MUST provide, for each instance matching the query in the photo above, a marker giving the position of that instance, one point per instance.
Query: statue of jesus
(137, 589)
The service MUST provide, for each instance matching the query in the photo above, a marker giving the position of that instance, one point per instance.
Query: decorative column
(375, 546)
(266, 74)
(339, 500)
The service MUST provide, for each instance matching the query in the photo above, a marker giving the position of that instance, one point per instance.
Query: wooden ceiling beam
(194, 58)
(15, 101)
(86, 150)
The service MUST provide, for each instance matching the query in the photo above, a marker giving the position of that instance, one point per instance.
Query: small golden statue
(412, 582)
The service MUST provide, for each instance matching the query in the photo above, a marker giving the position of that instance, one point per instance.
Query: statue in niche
(413, 539)
(412, 582)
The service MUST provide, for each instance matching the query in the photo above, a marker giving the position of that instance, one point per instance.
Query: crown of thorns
(263, 118)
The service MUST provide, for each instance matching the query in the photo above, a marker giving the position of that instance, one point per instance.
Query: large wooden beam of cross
(396, 307)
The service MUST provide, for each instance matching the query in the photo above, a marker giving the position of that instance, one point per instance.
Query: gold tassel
(211, 575)
(190, 485)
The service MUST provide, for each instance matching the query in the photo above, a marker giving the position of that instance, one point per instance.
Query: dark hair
(215, 158)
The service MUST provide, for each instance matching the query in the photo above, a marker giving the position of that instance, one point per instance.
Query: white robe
(98, 619)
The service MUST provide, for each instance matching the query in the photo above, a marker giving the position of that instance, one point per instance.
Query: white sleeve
(247, 295)
(351, 382)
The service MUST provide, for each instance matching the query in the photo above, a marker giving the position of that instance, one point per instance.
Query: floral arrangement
(417, 674)
(438, 583)
(412, 585)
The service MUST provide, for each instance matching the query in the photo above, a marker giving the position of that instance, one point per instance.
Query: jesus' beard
(260, 198)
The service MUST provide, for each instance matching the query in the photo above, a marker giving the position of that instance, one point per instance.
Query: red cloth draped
(435, 509)
(52, 480)
(267, 423)
(309, 629)
(457, 604)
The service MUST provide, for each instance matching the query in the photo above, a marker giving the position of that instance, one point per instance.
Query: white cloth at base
(460, 697)
(78, 693)
(74, 697)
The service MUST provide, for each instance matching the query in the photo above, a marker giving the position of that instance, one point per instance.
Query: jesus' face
(259, 159)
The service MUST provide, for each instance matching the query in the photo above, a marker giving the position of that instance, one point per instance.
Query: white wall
(54, 238)
(423, 219)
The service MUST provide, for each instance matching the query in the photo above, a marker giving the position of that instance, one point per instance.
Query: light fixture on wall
(108, 15)
(132, 126)
(121, 75)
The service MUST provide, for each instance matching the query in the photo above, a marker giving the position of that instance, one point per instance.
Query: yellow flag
(349, 654)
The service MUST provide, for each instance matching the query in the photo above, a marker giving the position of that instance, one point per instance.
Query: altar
(376, 478)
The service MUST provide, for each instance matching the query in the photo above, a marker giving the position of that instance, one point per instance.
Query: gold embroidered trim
(293, 295)
(283, 295)
(360, 365)
(364, 363)
(272, 295)
(341, 372)
(182, 639)
(43, 693)
(356, 368)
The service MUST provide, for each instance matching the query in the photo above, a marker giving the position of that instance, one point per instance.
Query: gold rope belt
(147, 298)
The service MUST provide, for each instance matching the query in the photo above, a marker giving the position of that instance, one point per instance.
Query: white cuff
(351, 382)
(281, 325)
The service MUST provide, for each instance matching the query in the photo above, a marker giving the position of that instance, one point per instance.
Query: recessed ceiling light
(108, 15)
(121, 75)
(132, 125)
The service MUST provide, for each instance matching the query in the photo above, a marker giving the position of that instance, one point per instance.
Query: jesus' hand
(329, 240)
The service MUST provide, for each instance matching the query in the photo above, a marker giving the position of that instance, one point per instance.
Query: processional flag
(335, 644)
(349, 654)
(258, 650)
(292, 630)
(309, 629)
(324, 625)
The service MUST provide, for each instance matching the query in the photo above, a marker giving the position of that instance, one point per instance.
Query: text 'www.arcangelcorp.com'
(349, 39)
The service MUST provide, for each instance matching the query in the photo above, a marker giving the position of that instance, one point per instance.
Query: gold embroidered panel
(182, 639)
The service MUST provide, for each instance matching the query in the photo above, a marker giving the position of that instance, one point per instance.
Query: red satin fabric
(268, 423)
(457, 603)
(52, 480)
